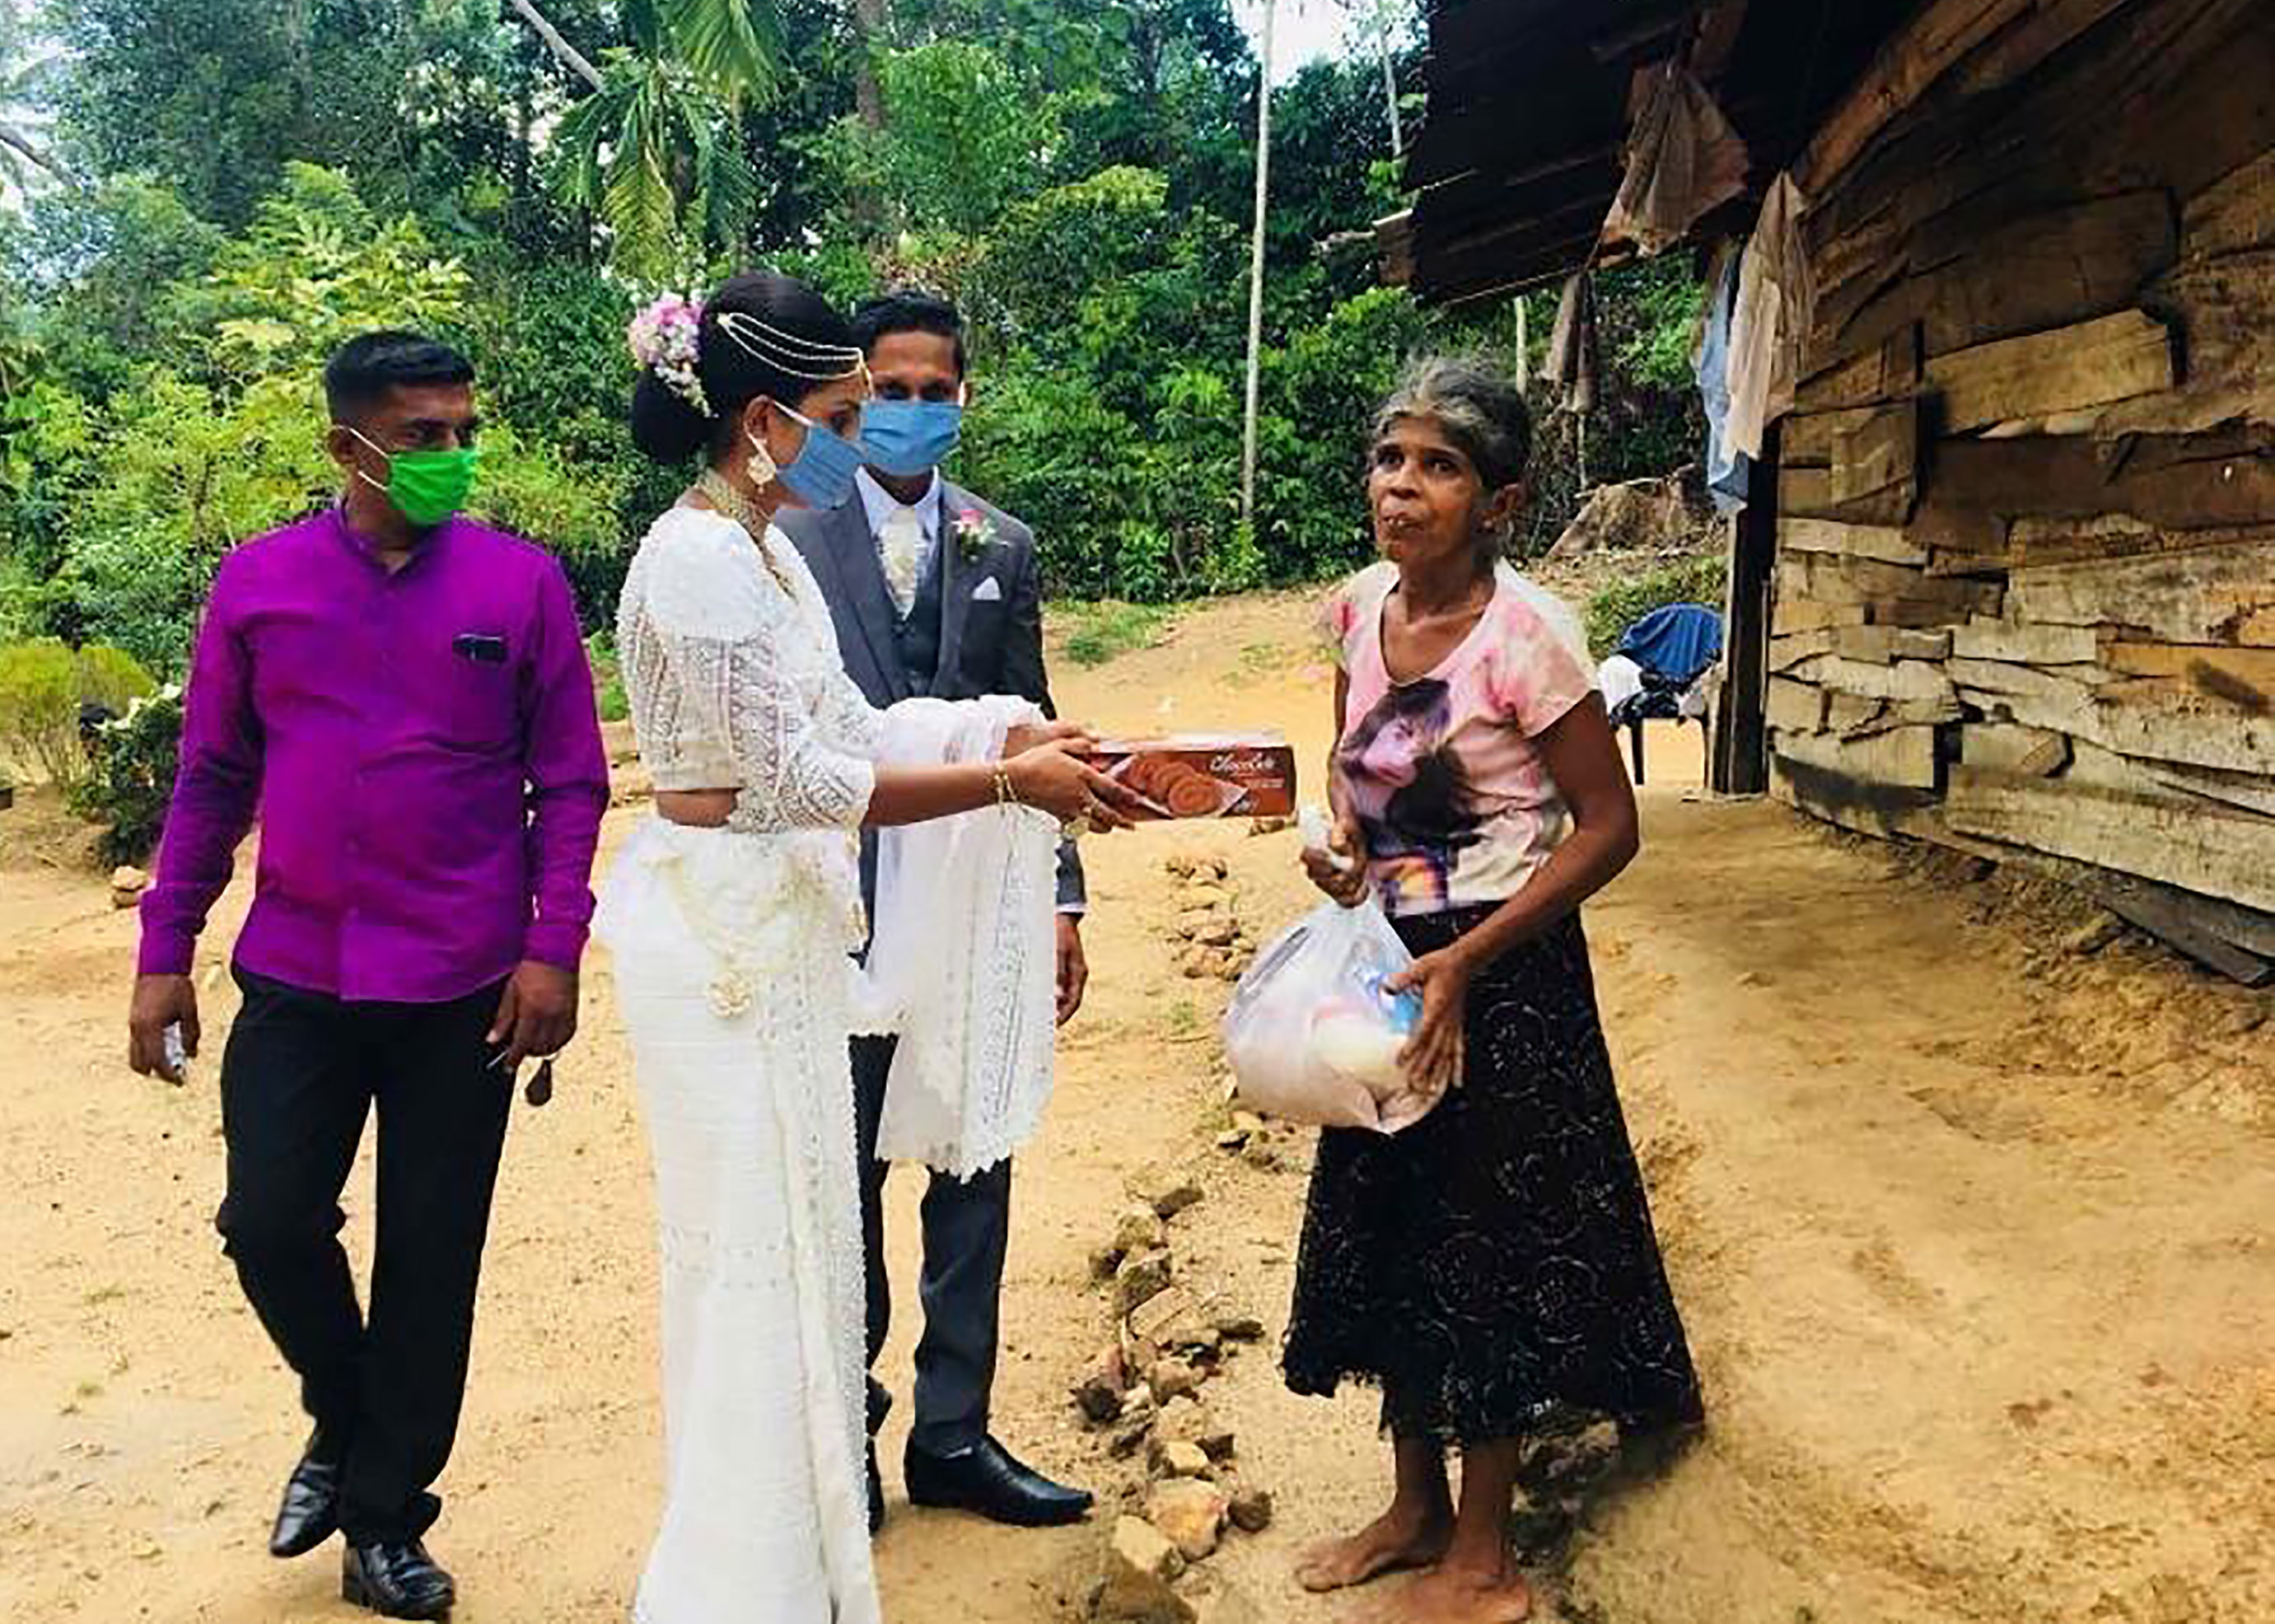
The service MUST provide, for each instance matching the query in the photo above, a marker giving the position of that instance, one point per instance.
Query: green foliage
(131, 780)
(39, 709)
(1105, 630)
(1703, 579)
(527, 487)
(1321, 392)
(316, 268)
(112, 678)
(264, 179)
(961, 137)
(173, 477)
(43, 686)
(608, 678)
(654, 153)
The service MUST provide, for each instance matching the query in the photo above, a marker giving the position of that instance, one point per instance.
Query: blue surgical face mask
(909, 437)
(820, 476)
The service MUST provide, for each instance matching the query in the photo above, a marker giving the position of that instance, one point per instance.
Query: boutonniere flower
(975, 534)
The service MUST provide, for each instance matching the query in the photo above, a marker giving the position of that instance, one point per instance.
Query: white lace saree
(731, 950)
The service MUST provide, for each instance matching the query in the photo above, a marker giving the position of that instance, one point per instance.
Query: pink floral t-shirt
(1443, 773)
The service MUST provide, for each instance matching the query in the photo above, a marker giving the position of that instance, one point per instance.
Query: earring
(763, 467)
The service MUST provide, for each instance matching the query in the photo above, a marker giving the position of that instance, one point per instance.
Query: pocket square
(989, 591)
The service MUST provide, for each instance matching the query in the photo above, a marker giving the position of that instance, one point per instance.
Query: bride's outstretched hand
(1052, 777)
(1019, 740)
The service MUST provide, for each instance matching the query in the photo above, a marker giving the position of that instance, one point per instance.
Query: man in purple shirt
(404, 696)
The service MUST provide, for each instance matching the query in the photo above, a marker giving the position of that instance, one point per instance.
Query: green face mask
(425, 487)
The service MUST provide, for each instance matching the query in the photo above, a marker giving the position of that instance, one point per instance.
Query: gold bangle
(1006, 794)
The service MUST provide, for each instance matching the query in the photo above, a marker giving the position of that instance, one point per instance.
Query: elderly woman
(1492, 1268)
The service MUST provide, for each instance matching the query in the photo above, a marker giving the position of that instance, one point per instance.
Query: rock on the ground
(127, 886)
(1191, 1421)
(1178, 1459)
(1129, 1436)
(1141, 1278)
(1190, 1513)
(1167, 1191)
(1099, 1393)
(1172, 1379)
(1139, 1230)
(1250, 1510)
(1236, 1326)
(1141, 1571)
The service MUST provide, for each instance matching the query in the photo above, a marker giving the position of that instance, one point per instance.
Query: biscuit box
(1205, 775)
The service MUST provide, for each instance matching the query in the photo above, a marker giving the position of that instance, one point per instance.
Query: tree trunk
(872, 30)
(1255, 274)
(299, 26)
(15, 142)
(569, 55)
(870, 22)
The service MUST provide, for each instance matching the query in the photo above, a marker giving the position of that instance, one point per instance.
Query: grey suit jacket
(991, 640)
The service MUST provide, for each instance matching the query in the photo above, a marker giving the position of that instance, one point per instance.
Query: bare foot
(1450, 1595)
(1397, 1539)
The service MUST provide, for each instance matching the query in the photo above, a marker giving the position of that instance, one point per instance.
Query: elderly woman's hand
(1434, 1057)
(1345, 880)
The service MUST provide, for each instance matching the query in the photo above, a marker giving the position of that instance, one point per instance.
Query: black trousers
(302, 1072)
(967, 1233)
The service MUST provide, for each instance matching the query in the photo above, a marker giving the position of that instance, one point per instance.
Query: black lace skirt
(1492, 1268)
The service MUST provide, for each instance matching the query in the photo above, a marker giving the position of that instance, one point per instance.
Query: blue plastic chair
(1674, 646)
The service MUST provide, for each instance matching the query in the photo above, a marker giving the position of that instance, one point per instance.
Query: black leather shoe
(396, 1579)
(987, 1479)
(310, 1513)
(876, 1493)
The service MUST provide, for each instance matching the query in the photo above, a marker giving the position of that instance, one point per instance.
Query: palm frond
(736, 45)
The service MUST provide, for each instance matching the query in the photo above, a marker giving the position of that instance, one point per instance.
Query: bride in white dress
(731, 915)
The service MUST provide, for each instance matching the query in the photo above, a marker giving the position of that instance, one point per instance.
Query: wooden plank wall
(2025, 579)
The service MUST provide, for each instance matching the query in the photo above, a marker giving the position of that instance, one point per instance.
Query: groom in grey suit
(935, 592)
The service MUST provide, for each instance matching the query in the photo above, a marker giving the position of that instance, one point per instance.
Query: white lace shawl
(961, 966)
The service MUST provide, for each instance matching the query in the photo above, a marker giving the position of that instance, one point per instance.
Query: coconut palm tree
(656, 151)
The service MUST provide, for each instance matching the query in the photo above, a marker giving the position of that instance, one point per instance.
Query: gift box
(1204, 774)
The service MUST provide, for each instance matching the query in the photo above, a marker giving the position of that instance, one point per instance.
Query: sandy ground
(1971, 1230)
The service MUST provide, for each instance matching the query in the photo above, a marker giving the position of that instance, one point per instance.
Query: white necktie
(902, 544)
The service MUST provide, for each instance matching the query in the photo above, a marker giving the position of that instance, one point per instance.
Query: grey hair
(1476, 402)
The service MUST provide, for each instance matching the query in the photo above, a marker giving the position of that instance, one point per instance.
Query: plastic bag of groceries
(1311, 1034)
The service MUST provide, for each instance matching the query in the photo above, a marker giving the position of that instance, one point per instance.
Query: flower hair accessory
(666, 339)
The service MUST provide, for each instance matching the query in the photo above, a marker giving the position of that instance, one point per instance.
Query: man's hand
(537, 1015)
(1074, 967)
(160, 1001)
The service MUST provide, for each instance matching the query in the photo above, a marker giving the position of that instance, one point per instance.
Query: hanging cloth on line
(1729, 472)
(1571, 364)
(1770, 326)
(1684, 161)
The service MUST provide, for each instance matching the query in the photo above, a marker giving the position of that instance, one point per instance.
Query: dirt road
(1971, 1231)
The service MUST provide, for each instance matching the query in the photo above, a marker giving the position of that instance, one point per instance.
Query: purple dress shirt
(424, 753)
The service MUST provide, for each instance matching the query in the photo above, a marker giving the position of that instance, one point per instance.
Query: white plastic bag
(1312, 1035)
